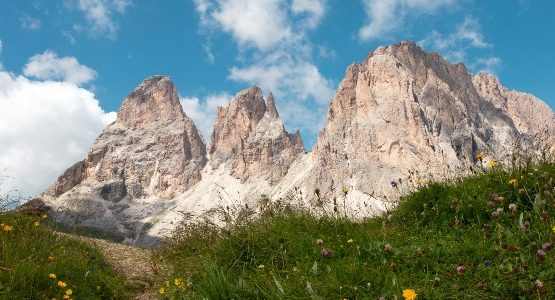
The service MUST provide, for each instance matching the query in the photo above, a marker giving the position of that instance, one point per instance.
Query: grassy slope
(25, 264)
(434, 231)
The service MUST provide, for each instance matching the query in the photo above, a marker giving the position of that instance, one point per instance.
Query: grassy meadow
(486, 236)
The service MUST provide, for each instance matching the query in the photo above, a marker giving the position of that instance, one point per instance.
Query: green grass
(29, 253)
(434, 231)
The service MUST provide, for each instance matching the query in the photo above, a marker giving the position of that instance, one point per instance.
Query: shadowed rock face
(530, 115)
(400, 110)
(249, 137)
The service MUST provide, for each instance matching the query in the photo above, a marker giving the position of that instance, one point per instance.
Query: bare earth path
(135, 264)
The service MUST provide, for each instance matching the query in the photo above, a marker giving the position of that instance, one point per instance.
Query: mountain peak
(155, 99)
(271, 109)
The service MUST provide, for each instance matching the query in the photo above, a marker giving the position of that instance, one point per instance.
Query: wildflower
(513, 182)
(167, 283)
(480, 156)
(345, 190)
(51, 275)
(526, 224)
(553, 228)
(319, 242)
(387, 248)
(393, 184)
(50, 257)
(6, 228)
(460, 270)
(66, 297)
(512, 207)
(495, 214)
(500, 210)
(491, 204)
(492, 163)
(36, 224)
(409, 294)
(534, 245)
(487, 263)
(538, 284)
(69, 292)
(325, 252)
(62, 284)
(261, 267)
(540, 254)
(420, 182)
(161, 291)
(178, 281)
(546, 246)
(350, 241)
(44, 216)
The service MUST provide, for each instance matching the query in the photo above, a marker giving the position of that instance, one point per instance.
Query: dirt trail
(135, 264)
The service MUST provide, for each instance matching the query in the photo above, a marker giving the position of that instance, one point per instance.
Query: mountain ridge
(401, 116)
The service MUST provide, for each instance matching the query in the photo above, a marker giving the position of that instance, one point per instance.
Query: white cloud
(487, 64)
(315, 9)
(48, 66)
(203, 112)
(30, 23)
(45, 127)
(261, 23)
(100, 13)
(386, 16)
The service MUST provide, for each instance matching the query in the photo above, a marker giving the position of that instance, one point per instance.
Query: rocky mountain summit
(399, 118)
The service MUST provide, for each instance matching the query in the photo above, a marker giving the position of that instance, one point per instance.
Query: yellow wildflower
(409, 294)
(50, 257)
(261, 267)
(7, 227)
(66, 297)
(420, 181)
(480, 156)
(69, 292)
(492, 163)
(513, 182)
(178, 281)
(553, 229)
(161, 291)
(51, 275)
(345, 190)
(44, 216)
(167, 283)
(350, 241)
(36, 224)
(62, 284)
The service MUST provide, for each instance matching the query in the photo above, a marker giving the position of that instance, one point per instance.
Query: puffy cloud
(262, 23)
(45, 127)
(99, 14)
(203, 112)
(386, 16)
(48, 66)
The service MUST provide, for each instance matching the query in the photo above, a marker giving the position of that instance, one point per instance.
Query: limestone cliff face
(250, 138)
(404, 110)
(531, 115)
(152, 148)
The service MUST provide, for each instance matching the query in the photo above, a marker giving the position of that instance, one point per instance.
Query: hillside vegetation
(488, 236)
(37, 263)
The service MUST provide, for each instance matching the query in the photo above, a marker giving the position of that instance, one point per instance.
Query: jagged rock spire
(271, 109)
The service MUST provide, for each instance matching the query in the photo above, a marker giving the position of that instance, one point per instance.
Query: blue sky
(66, 65)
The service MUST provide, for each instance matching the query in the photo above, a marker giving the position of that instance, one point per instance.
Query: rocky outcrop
(152, 150)
(251, 140)
(530, 115)
(404, 114)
